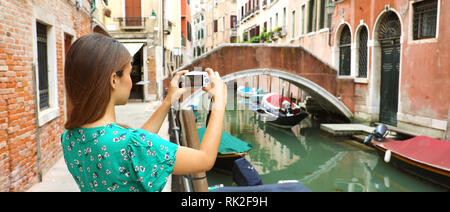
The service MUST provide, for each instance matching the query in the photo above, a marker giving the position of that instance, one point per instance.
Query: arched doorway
(389, 33)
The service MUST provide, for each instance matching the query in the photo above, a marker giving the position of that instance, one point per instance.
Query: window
(311, 17)
(233, 22)
(322, 14)
(345, 52)
(293, 25)
(223, 23)
(270, 25)
(276, 19)
(45, 51)
(189, 34)
(425, 18)
(215, 25)
(362, 66)
(302, 20)
(41, 32)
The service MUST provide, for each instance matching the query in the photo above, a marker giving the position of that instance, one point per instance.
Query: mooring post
(191, 135)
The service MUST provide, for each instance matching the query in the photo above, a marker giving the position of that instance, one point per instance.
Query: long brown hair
(90, 62)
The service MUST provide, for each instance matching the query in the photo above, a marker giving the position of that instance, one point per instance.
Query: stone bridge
(292, 63)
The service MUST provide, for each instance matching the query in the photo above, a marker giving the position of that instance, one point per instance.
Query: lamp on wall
(153, 17)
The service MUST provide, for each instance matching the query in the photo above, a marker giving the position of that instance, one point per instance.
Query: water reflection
(304, 153)
(320, 162)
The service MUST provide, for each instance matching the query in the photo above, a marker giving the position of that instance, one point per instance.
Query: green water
(319, 161)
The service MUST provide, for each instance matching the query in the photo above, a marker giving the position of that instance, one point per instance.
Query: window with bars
(362, 68)
(41, 33)
(425, 18)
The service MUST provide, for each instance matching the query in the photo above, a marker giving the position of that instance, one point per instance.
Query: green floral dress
(113, 158)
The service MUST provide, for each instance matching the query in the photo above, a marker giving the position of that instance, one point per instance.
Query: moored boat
(279, 111)
(425, 157)
(230, 149)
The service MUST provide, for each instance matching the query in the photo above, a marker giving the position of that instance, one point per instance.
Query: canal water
(319, 161)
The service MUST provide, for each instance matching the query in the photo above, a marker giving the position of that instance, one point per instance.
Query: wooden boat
(425, 157)
(279, 111)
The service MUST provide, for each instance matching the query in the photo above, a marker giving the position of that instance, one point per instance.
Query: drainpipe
(36, 113)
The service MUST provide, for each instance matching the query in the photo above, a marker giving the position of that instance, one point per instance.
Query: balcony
(131, 23)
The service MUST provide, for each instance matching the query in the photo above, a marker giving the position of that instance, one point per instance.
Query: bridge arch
(326, 99)
(292, 63)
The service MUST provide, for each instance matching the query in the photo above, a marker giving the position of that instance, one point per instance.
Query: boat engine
(378, 134)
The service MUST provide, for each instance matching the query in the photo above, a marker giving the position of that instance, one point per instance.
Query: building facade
(396, 51)
(221, 22)
(34, 38)
(135, 23)
(199, 33)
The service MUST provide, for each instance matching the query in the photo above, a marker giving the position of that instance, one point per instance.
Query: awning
(133, 47)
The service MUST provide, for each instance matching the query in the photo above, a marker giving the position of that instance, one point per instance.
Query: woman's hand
(174, 93)
(217, 89)
(199, 160)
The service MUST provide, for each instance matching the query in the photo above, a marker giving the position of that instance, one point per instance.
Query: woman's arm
(154, 123)
(190, 160)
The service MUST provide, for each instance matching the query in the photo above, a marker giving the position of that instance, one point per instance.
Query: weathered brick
(18, 147)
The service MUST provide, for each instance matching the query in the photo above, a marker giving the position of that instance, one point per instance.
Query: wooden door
(133, 13)
(389, 38)
(390, 65)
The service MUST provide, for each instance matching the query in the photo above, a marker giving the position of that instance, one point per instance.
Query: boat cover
(228, 143)
(275, 100)
(422, 149)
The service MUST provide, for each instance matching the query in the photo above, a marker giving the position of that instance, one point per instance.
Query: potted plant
(263, 36)
(255, 39)
(244, 36)
(270, 36)
(276, 32)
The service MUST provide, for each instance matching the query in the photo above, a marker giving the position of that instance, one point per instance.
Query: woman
(104, 156)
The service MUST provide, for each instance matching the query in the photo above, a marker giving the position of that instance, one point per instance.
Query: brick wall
(18, 143)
